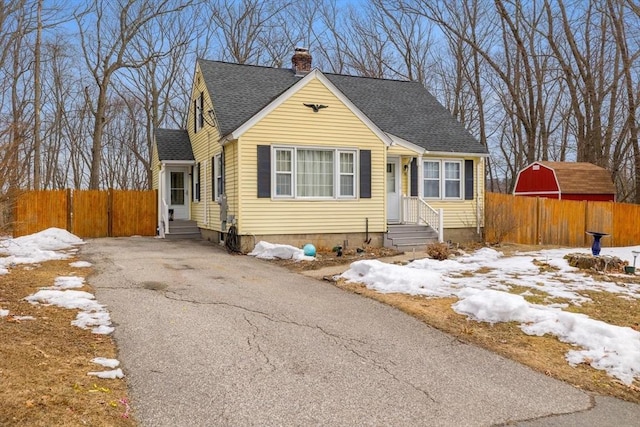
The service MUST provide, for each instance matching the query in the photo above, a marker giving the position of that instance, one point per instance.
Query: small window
(452, 180)
(284, 172)
(196, 183)
(217, 176)
(347, 174)
(432, 179)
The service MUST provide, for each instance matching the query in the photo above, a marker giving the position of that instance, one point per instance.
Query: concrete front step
(411, 237)
(183, 229)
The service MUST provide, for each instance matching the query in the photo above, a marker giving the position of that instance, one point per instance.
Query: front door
(393, 190)
(178, 194)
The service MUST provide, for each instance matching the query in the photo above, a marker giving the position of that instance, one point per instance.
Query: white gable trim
(396, 140)
(284, 96)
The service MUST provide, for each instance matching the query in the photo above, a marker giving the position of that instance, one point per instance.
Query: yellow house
(300, 156)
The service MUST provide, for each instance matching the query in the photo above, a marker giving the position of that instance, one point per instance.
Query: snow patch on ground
(116, 373)
(107, 363)
(80, 264)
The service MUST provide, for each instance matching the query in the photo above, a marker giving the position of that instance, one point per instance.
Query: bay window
(313, 173)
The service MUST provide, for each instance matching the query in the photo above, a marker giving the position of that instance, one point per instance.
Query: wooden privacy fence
(535, 220)
(87, 213)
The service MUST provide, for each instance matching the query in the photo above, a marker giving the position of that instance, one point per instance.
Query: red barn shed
(565, 180)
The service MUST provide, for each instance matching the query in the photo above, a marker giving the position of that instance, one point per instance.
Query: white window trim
(336, 172)
(197, 184)
(442, 179)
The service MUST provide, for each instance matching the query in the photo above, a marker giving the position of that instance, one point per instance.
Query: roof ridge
(326, 73)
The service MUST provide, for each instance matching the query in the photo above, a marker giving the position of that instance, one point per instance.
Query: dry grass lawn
(44, 362)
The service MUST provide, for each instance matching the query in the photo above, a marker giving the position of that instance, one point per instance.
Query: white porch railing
(164, 223)
(417, 211)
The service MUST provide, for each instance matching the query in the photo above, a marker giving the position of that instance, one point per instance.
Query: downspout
(206, 198)
(161, 185)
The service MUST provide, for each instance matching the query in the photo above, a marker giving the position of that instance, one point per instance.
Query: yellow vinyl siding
(205, 145)
(291, 123)
(463, 213)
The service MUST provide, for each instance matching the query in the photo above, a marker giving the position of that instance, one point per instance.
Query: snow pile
(389, 278)
(4, 313)
(39, 247)
(266, 250)
(483, 296)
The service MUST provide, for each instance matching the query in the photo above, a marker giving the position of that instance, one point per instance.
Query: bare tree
(239, 27)
(107, 30)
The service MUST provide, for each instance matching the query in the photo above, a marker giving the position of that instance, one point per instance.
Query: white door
(178, 186)
(393, 190)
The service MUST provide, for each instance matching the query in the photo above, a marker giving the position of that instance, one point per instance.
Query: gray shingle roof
(173, 144)
(401, 108)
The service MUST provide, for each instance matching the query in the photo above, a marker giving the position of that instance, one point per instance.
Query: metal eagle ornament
(315, 107)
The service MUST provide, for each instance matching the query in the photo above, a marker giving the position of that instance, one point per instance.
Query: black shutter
(365, 174)
(222, 172)
(468, 179)
(414, 177)
(193, 184)
(198, 182)
(264, 171)
(213, 177)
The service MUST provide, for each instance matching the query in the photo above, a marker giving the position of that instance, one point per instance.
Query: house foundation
(322, 242)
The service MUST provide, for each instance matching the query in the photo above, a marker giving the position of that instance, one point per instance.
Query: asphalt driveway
(207, 338)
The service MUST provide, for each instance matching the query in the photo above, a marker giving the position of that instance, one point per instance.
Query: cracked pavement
(208, 338)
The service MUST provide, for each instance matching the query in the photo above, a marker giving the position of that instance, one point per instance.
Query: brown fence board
(531, 220)
(89, 213)
(133, 213)
(510, 219)
(561, 222)
(38, 210)
(626, 220)
(600, 218)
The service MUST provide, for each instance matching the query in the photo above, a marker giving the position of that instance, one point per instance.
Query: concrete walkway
(207, 338)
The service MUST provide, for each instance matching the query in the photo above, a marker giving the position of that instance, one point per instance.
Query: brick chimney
(301, 61)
